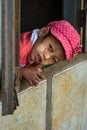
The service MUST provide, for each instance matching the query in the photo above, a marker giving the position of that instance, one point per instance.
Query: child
(55, 42)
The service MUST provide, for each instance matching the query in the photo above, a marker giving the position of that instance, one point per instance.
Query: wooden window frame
(10, 53)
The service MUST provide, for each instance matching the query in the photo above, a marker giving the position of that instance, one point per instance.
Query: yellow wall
(62, 106)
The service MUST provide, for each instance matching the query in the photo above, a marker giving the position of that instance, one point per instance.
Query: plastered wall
(57, 103)
(69, 99)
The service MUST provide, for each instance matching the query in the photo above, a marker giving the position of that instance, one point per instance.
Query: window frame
(10, 52)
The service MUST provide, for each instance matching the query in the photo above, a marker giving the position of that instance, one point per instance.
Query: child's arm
(32, 74)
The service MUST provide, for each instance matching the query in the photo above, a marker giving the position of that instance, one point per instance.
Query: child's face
(47, 50)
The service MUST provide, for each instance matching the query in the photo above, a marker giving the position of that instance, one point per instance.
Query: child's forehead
(53, 40)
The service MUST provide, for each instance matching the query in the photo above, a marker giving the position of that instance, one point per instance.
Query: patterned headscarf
(67, 35)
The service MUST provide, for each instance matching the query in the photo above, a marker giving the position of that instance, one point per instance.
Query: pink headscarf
(67, 35)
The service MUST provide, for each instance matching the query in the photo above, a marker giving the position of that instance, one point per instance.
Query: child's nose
(47, 56)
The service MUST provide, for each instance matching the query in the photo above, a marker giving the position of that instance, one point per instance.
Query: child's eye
(50, 48)
(54, 60)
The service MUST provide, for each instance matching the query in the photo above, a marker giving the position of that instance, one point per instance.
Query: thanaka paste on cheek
(41, 48)
(47, 56)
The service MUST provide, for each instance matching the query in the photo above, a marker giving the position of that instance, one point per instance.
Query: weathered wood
(10, 47)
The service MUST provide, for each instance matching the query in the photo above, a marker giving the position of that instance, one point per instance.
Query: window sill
(51, 70)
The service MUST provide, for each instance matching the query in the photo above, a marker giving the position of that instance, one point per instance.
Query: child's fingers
(38, 78)
(31, 83)
(39, 70)
(41, 76)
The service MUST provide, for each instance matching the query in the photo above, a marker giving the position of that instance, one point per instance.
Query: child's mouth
(38, 58)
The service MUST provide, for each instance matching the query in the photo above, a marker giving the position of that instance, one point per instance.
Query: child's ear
(43, 31)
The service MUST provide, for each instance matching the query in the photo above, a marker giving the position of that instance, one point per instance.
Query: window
(10, 33)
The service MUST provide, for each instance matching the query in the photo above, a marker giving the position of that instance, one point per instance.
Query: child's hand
(32, 75)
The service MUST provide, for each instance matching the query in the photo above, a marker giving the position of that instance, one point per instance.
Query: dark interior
(37, 13)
